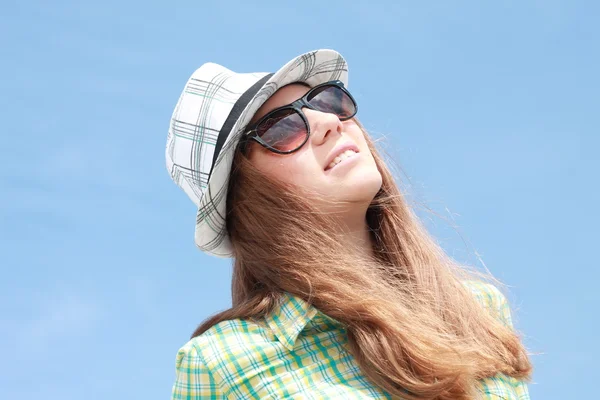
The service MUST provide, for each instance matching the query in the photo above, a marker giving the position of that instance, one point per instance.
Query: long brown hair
(412, 326)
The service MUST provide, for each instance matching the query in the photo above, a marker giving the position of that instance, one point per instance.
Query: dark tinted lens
(284, 130)
(332, 99)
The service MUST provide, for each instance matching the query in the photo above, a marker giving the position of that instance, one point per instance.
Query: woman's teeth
(341, 157)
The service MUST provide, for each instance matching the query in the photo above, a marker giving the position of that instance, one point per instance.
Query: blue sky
(491, 108)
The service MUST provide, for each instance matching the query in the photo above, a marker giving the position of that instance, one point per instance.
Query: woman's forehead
(285, 95)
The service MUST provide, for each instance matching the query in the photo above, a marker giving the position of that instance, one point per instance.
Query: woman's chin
(359, 184)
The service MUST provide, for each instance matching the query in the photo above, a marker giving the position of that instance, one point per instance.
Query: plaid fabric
(298, 353)
(211, 95)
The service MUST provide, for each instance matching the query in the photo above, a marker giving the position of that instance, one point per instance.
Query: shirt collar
(290, 316)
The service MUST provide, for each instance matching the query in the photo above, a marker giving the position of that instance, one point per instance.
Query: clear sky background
(491, 108)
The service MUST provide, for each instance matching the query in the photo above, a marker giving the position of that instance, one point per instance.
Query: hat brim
(312, 68)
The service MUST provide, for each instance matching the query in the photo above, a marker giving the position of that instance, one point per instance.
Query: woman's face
(355, 179)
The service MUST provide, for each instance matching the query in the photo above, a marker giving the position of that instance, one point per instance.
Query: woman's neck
(355, 233)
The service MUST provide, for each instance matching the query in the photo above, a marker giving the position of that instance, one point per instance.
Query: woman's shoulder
(491, 298)
(486, 293)
(226, 337)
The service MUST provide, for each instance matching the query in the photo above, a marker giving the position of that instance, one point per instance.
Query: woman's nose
(322, 125)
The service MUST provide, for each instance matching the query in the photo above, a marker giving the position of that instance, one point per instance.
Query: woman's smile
(347, 159)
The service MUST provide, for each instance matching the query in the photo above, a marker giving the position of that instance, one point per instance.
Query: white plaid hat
(214, 108)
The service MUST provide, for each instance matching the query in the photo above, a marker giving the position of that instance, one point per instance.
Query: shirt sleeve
(194, 380)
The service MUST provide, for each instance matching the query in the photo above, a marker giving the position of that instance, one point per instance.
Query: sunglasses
(285, 129)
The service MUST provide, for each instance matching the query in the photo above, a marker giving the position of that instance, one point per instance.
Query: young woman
(338, 290)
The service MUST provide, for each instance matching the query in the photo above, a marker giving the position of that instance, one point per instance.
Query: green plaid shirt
(298, 353)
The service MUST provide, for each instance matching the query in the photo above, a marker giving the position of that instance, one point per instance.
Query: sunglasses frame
(251, 131)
